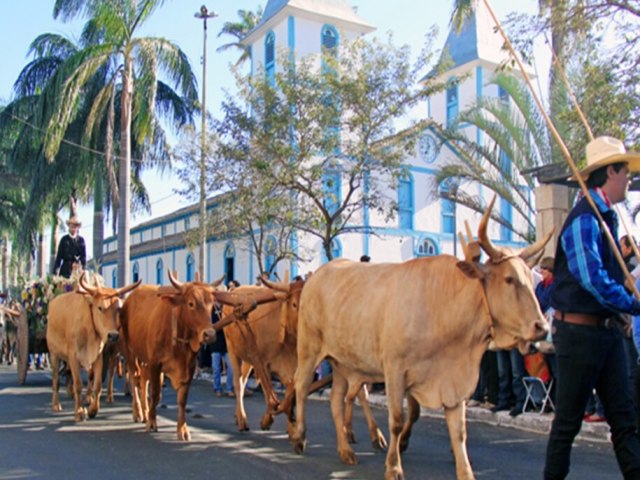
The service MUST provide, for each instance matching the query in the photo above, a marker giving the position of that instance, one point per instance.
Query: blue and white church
(426, 224)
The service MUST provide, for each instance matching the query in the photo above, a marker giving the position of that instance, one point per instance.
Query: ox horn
(531, 250)
(493, 252)
(219, 281)
(85, 286)
(278, 286)
(198, 278)
(174, 281)
(122, 291)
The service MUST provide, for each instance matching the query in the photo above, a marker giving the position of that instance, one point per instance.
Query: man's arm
(59, 257)
(581, 243)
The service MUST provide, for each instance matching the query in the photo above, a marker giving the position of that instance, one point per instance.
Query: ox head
(193, 302)
(508, 289)
(105, 304)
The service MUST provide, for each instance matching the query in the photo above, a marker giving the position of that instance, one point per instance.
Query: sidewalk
(531, 421)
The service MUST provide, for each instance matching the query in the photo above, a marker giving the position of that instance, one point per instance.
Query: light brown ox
(79, 324)
(271, 339)
(421, 327)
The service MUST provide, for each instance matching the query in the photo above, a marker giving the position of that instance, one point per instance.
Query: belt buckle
(610, 322)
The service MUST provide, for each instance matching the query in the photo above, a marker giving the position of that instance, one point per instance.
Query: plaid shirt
(582, 244)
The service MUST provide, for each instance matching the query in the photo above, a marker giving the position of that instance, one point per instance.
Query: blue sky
(22, 21)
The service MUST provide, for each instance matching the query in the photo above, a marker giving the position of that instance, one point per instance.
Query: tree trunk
(124, 176)
(5, 262)
(98, 223)
(557, 92)
(41, 256)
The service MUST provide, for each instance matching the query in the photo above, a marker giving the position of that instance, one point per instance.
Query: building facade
(426, 224)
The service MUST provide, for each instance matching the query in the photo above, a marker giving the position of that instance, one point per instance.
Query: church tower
(303, 27)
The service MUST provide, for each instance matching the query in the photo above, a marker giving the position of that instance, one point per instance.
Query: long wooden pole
(565, 152)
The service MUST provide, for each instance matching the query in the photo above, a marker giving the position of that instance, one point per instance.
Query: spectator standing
(587, 296)
(220, 354)
(72, 251)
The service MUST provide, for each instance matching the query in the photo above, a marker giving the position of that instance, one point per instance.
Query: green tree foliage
(238, 30)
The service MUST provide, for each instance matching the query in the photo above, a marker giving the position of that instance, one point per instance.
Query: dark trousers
(511, 371)
(588, 358)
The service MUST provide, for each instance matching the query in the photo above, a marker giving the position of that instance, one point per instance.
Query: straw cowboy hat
(604, 151)
(74, 221)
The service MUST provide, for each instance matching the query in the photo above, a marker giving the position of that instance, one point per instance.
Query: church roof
(338, 11)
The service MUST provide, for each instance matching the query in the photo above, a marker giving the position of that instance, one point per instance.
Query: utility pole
(203, 15)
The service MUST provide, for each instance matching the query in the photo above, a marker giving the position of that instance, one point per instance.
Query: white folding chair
(530, 384)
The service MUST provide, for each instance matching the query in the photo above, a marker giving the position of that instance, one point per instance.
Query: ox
(163, 329)
(270, 337)
(421, 327)
(79, 324)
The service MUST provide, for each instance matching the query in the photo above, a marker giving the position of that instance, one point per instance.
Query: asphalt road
(37, 443)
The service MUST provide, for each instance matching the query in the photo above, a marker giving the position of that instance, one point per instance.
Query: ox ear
(174, 300)
(471, 269)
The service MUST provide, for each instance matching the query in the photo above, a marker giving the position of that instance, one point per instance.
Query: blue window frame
(329, 39)
(506, 209)
(114, 278)
(159, 271)
(447, 210)
(332, 188)
(270, 56)
(270, 254)
(452, 103)
(405, 203)
(426, 247)
(229, 262)
(136, 272)
(191, 271)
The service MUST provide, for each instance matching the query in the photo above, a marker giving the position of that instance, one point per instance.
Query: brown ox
(79, 325)
(163, 329)
(272, 341)
(421, 327)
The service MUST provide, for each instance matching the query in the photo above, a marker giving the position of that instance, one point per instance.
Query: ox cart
(32, 319)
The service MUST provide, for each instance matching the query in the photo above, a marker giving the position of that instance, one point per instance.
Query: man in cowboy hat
(72, 252)
(589, 294)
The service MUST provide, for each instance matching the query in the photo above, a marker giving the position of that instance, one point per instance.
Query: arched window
(229, 262)
(331, 186)
(159, 271)
(191, 270)
(114, 278)
(426, 247)
(270, 58)
(405, 203)
(270, 248)
(447, 209)
(136, 271)
(329, 39)
(452, 103)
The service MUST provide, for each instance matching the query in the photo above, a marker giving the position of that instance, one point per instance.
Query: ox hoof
(56, 407)
(394, 474)
(184, 434)
(92, 412)
(266, 422)
(81, 415)
(351, 438)
(348, 457)
(299, 446)
(109, 399)
(152, 425)
(379, 442)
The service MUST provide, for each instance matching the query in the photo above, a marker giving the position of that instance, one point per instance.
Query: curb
(528, 421)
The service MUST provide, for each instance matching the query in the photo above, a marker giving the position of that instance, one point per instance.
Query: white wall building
(425, 224)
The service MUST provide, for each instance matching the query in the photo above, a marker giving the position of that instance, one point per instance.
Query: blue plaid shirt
(582, 245)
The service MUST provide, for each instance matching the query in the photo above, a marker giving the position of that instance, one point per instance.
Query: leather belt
(586, 319)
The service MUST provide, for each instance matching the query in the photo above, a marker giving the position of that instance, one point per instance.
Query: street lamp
(203, 15)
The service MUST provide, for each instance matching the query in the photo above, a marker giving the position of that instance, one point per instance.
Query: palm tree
(518, 141)
(129, 61)
(248, 21)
